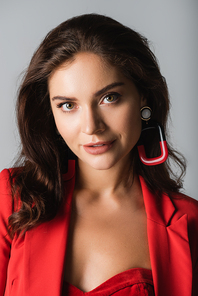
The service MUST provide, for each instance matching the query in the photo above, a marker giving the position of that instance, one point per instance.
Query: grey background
(171, 26)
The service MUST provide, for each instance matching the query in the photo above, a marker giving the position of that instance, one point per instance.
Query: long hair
(37, 182)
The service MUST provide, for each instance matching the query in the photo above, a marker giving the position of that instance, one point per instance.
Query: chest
(104, 243)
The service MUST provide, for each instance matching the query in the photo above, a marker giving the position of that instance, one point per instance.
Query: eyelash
(115, 95)
(62, 104)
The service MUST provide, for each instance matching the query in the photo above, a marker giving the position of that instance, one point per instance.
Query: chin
(101, 167)
(101, 164)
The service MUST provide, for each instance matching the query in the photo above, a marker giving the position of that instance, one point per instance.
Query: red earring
(148, 125)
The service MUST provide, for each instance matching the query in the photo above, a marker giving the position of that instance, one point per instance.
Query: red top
(132, 282)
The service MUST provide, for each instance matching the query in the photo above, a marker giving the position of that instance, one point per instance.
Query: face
(96, 110)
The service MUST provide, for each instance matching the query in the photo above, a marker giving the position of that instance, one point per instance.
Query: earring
(145, 113)
(148, 124)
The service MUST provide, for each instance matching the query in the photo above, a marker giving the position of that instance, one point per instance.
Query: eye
(111, 98)
(66, 107)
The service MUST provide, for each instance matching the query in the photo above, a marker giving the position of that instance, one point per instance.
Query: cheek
(61, 124)
(134, 123)
(130, 122)
(67, 127)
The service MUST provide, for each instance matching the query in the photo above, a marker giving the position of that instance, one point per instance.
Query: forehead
(87, 58)
(85, 71)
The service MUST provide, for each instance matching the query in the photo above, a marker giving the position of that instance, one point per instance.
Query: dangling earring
(148, 124)
(146, 113)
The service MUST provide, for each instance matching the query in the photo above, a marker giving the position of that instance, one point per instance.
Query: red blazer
(33, 265)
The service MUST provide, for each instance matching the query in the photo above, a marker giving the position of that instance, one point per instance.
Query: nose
(92, 122)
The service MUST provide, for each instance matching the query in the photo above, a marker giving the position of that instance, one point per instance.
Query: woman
(86, 209)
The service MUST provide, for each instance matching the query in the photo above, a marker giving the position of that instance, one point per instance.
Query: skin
(92, 101)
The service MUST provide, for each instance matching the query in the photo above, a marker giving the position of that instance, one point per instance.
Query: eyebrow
(108, 87)
(98, 93)
(63, 98)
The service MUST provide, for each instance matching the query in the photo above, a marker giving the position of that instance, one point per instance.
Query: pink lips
(98, 147)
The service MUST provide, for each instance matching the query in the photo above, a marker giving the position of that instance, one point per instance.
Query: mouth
(99, 143)
(98, 147)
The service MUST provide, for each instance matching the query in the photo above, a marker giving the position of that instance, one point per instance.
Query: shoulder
(4, 176)
(5, 212)
(7, 203)
(8, 176)
(5, 194)
(5, 187)
(186, 205)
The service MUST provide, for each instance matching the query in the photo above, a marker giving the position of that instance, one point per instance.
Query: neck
(118, 178)
(110, 188)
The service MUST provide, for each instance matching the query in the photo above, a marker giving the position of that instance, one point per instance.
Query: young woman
(92, 206)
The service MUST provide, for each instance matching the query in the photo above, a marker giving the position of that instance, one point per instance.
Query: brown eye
(111, 98)
(67, 106)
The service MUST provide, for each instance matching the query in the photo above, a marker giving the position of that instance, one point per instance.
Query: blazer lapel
(168, 246)
(45, 249)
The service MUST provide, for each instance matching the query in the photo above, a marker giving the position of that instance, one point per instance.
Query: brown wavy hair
(37, 178)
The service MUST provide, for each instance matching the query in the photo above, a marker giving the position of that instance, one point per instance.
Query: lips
(98, 147)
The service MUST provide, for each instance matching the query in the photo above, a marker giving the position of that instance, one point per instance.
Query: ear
(143, 101)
